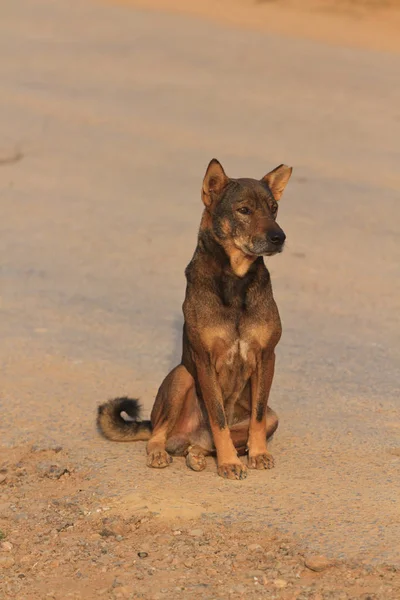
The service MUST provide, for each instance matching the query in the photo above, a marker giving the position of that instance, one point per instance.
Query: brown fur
(216, 399)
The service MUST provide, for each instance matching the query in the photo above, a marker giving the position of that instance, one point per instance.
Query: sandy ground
(109, 115)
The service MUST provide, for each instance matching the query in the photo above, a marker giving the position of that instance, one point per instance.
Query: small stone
(55, 564)
(189, 562)
(6, 547)
(177, 532)
(280, 583)
(122, 592)
(52, 470)
(196, 532)
(6, 562)
(118, 527)
(45, 448)
(163, 539)
(255, 547)
(316, 562)
(3, 477)
(119, 538)
(142, 554)
(106, 533)
(103, 591)
(255, 574)
(26, 559)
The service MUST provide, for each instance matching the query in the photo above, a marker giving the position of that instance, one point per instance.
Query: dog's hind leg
(167, 409)
(240, 431)
(196, 453)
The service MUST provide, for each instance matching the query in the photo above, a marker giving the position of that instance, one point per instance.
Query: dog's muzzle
(271, 243)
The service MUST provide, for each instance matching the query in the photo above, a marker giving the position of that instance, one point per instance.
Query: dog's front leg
(229, 464)
(261, 381)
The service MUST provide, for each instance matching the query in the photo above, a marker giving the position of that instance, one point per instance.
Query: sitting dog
(216, 399)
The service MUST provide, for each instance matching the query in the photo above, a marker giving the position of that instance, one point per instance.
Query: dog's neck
(224, 252)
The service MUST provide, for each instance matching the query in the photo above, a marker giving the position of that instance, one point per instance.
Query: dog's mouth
(262, 252)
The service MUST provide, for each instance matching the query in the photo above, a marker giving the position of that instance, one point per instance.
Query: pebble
(45, 448)
(51, 470)
(163, 539)
(6, 547)
(142, 554)
(122, 592)
(196, 532)
(103, 591)
(280, 583)
(118, 528)
(188, 562)
(6, 562)
(255, 547)
(317, 562)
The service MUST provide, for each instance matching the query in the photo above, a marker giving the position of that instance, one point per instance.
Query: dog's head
(243, 211)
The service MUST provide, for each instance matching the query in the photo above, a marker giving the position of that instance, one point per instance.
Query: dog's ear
(277, 179)
(214, 182)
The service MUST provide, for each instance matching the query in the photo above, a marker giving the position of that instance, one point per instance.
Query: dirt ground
(60, 538)
(109, 114)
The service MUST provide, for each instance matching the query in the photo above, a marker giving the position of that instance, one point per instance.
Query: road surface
(116, 113)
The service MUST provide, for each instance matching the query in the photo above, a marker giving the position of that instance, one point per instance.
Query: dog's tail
(119, 420)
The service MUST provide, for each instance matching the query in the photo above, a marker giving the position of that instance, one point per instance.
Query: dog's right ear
(214, 182)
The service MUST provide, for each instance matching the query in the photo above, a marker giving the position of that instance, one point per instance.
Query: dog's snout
(277, 237)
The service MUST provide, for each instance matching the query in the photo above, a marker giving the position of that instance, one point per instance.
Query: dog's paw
(159, 459)
(236, 471)
(261, 461)
(196, 461)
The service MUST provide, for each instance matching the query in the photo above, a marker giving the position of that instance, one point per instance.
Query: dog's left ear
(277, 179)
(214, 182)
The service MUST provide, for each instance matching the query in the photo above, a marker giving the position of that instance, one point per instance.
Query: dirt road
(112, 114)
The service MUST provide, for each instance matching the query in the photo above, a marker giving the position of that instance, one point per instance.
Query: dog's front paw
(196, 461)
(159, 459)
(261, 461)
(235, 471)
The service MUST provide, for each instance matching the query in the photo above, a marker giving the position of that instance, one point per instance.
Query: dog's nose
(277, 237)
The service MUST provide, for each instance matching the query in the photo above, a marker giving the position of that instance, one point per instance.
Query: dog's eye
(243, 210)
(274, 209)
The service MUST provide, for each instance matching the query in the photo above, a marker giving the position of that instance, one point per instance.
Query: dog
(216, 399)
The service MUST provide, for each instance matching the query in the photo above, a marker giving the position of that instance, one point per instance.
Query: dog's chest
(237, 352)
(235, 363)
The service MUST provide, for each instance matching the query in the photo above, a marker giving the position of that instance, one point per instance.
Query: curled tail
(119, 420)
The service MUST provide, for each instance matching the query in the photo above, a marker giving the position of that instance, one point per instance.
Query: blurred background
(109, 115)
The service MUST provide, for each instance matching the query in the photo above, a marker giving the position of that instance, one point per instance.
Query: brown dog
(216, 399)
